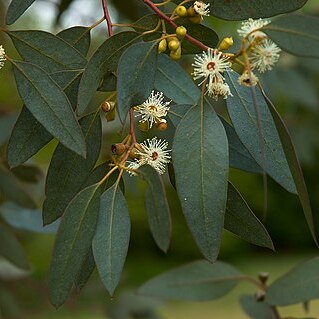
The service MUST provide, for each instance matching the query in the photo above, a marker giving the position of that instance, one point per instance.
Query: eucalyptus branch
(107, 17)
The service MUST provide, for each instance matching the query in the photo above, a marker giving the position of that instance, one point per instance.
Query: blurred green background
(293, 86)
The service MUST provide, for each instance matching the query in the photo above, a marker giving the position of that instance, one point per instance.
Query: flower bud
(226, 44)
(143, 126)
(181, 11)
(196, 19)
(263, 277)
(162, 46)
(260, 295)
(134, 153)
(162, 125)
(191, 11)
(174, 45)
(181, 32)
(176, 55)
(118, 149)
(107, 106)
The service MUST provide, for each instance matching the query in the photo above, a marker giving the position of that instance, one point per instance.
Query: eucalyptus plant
(148, 90)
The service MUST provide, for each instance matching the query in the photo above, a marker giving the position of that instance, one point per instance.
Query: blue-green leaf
(16, 9)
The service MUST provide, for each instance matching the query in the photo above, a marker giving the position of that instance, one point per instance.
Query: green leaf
(49, 105)
(69, 171)
(16, 9)
(112, 236)
(26, 219)
(6, 126)
(11, 249)
(256, 309)
(298, 285)
(11, 188)
(109, 83)
(28, 173)
(157, 207)
(104, 60)
(295, 168)
(296, 34)
(47, 51)
(86, 271)
(136, 76)
(240, 220)
(176, 84)
(200, 158)
(196, 281)
(242, 112)
(244, 9)
(74, 239)
(77, 37)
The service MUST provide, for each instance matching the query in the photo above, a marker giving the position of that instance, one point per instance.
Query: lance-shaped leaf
(136, 76)
(295, 168)
(196, 281)
(296, 34)
(299, 285)
(176, 84)
(243, 115)
(74, 239)
(11, 249)
(69, 171)
(239, 157)
(77, 37)
(111, 240)
(47, 51)
(157, 207)
(256, 309)
(49, 105)
(240, 220)
(11, 188)
(104, 60)
(86, 271)
(200, 158)
(16, 9)
(244, 9)
(6, 126)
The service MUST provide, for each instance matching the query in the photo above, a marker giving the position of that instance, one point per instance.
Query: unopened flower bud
(174, 45)
(196, 19)
(191, 11)
(176, 55)
(260, 295)
(143, 126)
(162, 125)
(226, 44)
(162, 46)
(107, 106)
(181, 11)
(118, 149)
(134, 153)
(263, 277)
(181, 32)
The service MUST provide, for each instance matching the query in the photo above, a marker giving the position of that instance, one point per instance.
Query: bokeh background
(293, 86)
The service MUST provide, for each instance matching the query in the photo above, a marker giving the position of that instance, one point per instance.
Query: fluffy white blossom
(264, 56)
(247, 79)
(2, 56)
(154, 153)
(153, 109)
(201, 8)
(210, 64)
(251, 28)
(217, 89)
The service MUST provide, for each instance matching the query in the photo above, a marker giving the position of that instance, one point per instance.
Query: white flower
(247, 79)
(201, 8)
(251, 28)
(217, 89)
(154, 153)
(210, 64)
(264, 56)
(153, 109)
(2, 56)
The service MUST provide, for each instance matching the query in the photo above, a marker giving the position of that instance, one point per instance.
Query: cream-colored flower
(2, 56)
(215, 89)
(210, 64)
(153, 109)
(264, 56)
(201, 8)
(247, 79)
(251, 28)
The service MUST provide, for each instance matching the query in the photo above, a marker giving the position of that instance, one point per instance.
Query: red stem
(174, 25)
(107, 17)
(132, 132)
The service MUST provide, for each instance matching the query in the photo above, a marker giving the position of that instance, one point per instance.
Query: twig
(107, 17)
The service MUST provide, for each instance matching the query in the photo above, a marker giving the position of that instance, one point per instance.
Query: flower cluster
(201, 8)
(263, 53)
(153, 152)
(2, 56)
(210, 66)
(153, 109)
